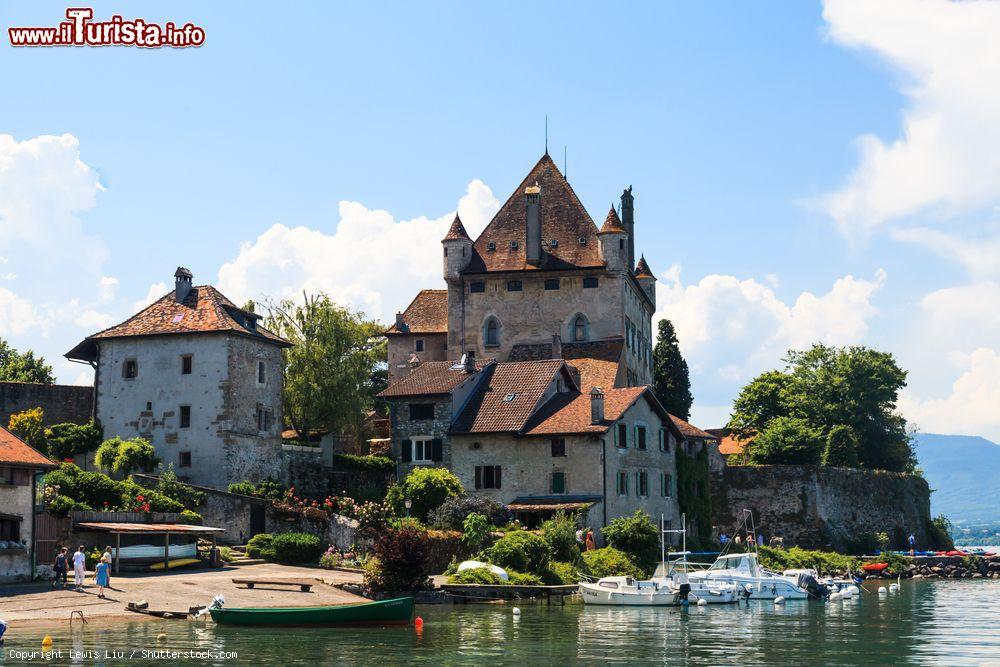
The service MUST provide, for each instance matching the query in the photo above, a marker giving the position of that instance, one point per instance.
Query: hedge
(363, 463)
(610, 562)
(520, 551)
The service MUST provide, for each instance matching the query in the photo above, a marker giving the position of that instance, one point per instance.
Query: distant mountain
(964, 472)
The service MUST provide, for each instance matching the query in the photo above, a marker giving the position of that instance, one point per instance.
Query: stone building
(540, 277)
(525, 434)
(19, 464)
(198, 377)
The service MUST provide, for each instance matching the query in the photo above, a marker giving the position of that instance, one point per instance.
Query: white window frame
(426, 443)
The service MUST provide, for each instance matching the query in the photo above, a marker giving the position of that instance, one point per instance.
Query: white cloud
(155, 291)
(980, 257)
(17, 315)
(948, 157)
(368, 259)
(972, 407)
(730, 329)
(93, 320)
(108, 288)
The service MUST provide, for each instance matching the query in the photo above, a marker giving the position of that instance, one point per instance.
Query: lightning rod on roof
(565, 168)
(546, 134)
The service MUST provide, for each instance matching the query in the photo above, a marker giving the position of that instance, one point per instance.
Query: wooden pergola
(165, 529)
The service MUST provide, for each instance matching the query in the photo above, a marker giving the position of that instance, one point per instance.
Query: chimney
(182, 284)
(596, 405)
(469, 361)
(400, 323)
(533, 226)
(413, 361)
(628, 222)
(556, 346)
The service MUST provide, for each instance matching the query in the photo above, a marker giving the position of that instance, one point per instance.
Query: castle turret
(646, 279)
(457, 249)
(614, 242)
(628, 222)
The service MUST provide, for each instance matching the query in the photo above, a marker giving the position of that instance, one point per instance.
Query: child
(60, 567)
(79, 568)
(101, 576)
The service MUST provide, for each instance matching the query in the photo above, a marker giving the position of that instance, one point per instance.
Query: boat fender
(702, 602)
(893, 588)
(881, 590)
(162, 637)
(834, 596)
(47, 641)
(854, 590)
(517, 611)
(779, 600)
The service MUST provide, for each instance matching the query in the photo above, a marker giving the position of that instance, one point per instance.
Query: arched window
(491, 332)
(579, 330)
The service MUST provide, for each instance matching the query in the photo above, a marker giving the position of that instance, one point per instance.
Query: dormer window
(491, 246)
(554, 243)
(513, 245)
(583, 240)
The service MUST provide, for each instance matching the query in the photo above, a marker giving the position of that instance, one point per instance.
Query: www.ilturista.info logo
(80, 30)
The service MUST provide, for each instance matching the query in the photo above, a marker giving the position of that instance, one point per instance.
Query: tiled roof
(507, 396)
(426, 314)
(563, 219)
(598, 361)
(730, 444)
(612, 224)
(642, 269)
(457, 231)
(204, 310)
(570, 413)
(431, 378)
(690, 431)
(14, 451)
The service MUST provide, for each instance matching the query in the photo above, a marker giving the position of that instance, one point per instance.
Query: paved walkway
(177, 591)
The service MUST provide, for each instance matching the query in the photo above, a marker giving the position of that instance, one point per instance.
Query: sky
(803, 172)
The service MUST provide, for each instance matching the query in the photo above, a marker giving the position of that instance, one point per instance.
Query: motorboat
(751, 579)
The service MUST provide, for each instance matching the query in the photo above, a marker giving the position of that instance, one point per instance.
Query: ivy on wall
(694, 495)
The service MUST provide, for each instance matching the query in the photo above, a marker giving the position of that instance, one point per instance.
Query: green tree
(332, 369)
(671, 383)
(841, 447)
(426, 488)
(67, 440)
(125, 456)
(27, 425)
(787, 441)
(23, 367)
(635, 535)
(765, 398)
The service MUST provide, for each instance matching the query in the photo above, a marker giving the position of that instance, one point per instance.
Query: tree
(825, 387)
(841, 447)
(426, 488)
(67, 440)
(23, 367)
(125, 456)
(787, 441)
(27, 425)
(331, 373)
(635, 535)
(671, 383)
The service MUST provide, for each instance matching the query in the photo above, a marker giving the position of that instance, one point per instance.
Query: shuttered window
(642, 483)
(640, 437)
(621, 435)
(557, 483)
(10, 530)
(488, 477)
(621, 485)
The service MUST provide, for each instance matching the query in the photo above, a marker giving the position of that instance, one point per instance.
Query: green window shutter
(662, 448)
(616, 435)
(437, 446)
(406, 451)
(558, 482)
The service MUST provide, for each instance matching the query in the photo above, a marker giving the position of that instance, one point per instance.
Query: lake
(951, 622)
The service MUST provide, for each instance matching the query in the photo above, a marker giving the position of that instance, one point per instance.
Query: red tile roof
(431, 378)
(204, 310)
(16, 452)
(563, 219)
(690, 431)
(570, 413)
(730, 444)
(642, 269)
(612, 224)
(507, 397)
(457, 231)
(598, 361)
(426, 314)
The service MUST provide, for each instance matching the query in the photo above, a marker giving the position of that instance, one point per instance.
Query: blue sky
(325, 148)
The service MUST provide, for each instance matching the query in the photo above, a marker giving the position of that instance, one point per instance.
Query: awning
(518, 507)
(551, 503)
(148, 528)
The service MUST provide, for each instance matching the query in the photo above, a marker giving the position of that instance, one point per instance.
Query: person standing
(591, 545)
(913, 543)
(79, 567)
(579, 538)
(109, 559)
(101, 576)
(60, 566)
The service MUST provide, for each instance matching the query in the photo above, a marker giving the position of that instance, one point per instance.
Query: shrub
(190, 518)
(841, 447)
(523, 579)
(169, 486)
(225, 555)
(363, 463)
(787, 441)
(428, 488)
(67, 440)
(637, 536)
(400, 562)
(521, 551)
(296, 548)
(62, 505)
(560, 533)
(243, 488)
(261, 546)
(373, 518)
(939, 532)
(610, 562)
(451, 514)
(269, 489)
(824, 562)
(330, 559)
(99, 492)
(475, 530)
(27, 425)
(476, 575)
(560, 573)
(123, 456)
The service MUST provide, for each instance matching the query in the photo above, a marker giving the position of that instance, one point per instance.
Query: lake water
(947, 622)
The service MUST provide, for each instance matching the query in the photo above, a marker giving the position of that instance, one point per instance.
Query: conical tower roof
(457, 231)
(642, 269)
(612, 224)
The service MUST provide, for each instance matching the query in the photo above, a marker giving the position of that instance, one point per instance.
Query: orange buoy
(418, 622)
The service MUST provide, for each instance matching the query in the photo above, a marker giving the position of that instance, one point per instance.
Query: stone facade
(402, 348)
(822, 507)
(221, 442)
(60, 403)
(17, 501)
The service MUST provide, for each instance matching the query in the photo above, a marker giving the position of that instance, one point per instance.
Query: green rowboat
(383, 612)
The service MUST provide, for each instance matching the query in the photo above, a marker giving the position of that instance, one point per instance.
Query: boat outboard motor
(746, 592)
(684, 591)
(816, 590)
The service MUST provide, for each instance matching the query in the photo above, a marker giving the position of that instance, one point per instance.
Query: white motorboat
(745, 572)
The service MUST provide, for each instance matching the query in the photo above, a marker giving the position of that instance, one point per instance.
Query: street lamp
(409, 504)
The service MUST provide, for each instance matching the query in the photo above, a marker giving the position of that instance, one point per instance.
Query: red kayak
(874, 567)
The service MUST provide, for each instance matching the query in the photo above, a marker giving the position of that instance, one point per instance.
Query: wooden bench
(250, 583)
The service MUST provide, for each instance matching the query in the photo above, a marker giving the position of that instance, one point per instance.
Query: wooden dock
(488, 592)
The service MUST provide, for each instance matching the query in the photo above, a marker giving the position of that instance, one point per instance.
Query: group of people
(585, 539)
(102, 572)
(738, 541)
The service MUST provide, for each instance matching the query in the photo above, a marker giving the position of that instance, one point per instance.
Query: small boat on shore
(381, 612)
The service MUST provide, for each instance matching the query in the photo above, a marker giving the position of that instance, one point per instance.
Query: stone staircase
(239, 557)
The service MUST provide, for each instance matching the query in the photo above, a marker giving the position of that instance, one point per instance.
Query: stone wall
(303, 468)
(401, 346)
(61, 403)
(340, 531)
(821, 507)
(17, 500)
